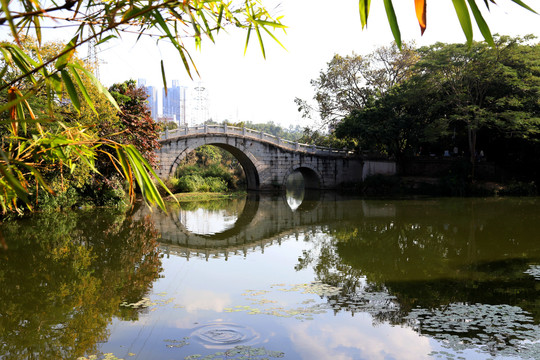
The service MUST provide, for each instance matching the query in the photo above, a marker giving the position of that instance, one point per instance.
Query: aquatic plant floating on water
(146, 302)
(107, 356)
(495, 329)
(240, 352)
(534, 270)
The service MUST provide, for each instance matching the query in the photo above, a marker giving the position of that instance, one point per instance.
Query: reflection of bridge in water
(265, 220)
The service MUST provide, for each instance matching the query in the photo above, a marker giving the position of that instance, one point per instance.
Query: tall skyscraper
(152, 93)
(174, 103)
(200, 104)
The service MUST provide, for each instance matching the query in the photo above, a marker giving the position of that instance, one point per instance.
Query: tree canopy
(474, 98)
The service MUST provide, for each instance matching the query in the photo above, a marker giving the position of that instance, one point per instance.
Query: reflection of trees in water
(431, 257)
(74, 270)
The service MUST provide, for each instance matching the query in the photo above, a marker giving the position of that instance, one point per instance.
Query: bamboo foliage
(463, 9)
(61, 79)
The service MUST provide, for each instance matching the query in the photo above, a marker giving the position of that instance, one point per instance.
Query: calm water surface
(309, 276)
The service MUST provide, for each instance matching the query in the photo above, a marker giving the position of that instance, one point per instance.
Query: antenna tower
(93, 59)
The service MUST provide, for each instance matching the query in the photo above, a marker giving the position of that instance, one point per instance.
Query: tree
(136, 124)
(59, 78)
(485, 88)
(394, 124)
(352, 82)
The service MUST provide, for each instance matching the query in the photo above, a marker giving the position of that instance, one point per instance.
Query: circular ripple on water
(221, 334)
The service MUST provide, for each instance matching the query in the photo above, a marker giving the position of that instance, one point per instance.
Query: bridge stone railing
(253, 134)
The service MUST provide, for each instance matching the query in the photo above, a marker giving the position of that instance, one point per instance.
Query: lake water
(304, 276)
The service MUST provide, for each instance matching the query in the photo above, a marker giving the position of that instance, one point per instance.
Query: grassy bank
(204, 196)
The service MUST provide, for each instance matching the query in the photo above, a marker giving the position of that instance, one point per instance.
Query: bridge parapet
(253, 134)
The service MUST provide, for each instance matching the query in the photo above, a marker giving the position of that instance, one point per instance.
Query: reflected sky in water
(206, 222)
(335, 278)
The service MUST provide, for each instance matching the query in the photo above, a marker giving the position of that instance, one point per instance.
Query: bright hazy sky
(251, 88)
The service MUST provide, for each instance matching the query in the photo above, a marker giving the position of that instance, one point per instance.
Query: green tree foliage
(393, 125)
(474, 98)
(485, 88)
(350, 83)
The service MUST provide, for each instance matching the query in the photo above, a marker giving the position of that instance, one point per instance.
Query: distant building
(174, 103)
(200, 105)
(152, 93)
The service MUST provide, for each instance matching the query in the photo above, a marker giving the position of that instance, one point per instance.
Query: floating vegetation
(315, 287)
(146, 302)
(177, 343)
(371, 302)
(240, 352)
(534, 270)
(143, 303)
(107, 356)
(502, 329)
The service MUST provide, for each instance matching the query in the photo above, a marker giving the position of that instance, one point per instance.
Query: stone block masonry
(267, 161)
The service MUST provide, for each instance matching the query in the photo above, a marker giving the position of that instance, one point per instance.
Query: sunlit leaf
(420, 7)
(364, 6)
(70, 88)
(82, 88)
(68, 52)
(9, 17)
(392, 20)
(522, 4)
(163, 78)
(464, 19)
(482, 25)
(98, 85)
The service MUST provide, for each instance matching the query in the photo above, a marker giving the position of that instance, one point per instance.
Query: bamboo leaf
(70, 88)
(105, 39)
(69, 51)
(420, 7)
(522, 4)
(260, 40)
(247, 40)
(37, 26)
(220, 17)
(163, 77)
(82, 88)
(12, 181)
(98, 85)
(273, 37)
(184, 60)
(482, 25)
(392, 20)
(364, 6)
(464, 19)
(5, 9)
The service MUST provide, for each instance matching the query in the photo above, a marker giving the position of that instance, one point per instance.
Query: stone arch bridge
(268, 160)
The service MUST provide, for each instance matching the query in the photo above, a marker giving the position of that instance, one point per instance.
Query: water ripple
(223, 335)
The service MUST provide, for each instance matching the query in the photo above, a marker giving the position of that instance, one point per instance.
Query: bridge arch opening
(302, 187)
(231, 165)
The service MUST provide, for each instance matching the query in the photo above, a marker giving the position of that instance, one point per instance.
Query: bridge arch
(312, 177)
(246, 160)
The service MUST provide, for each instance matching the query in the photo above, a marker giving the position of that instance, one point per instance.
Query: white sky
(251, 88)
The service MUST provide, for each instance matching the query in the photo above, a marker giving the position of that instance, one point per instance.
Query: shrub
(215, 184)
(189, 183)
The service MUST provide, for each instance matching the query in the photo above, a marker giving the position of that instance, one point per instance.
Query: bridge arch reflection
(263, 220)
